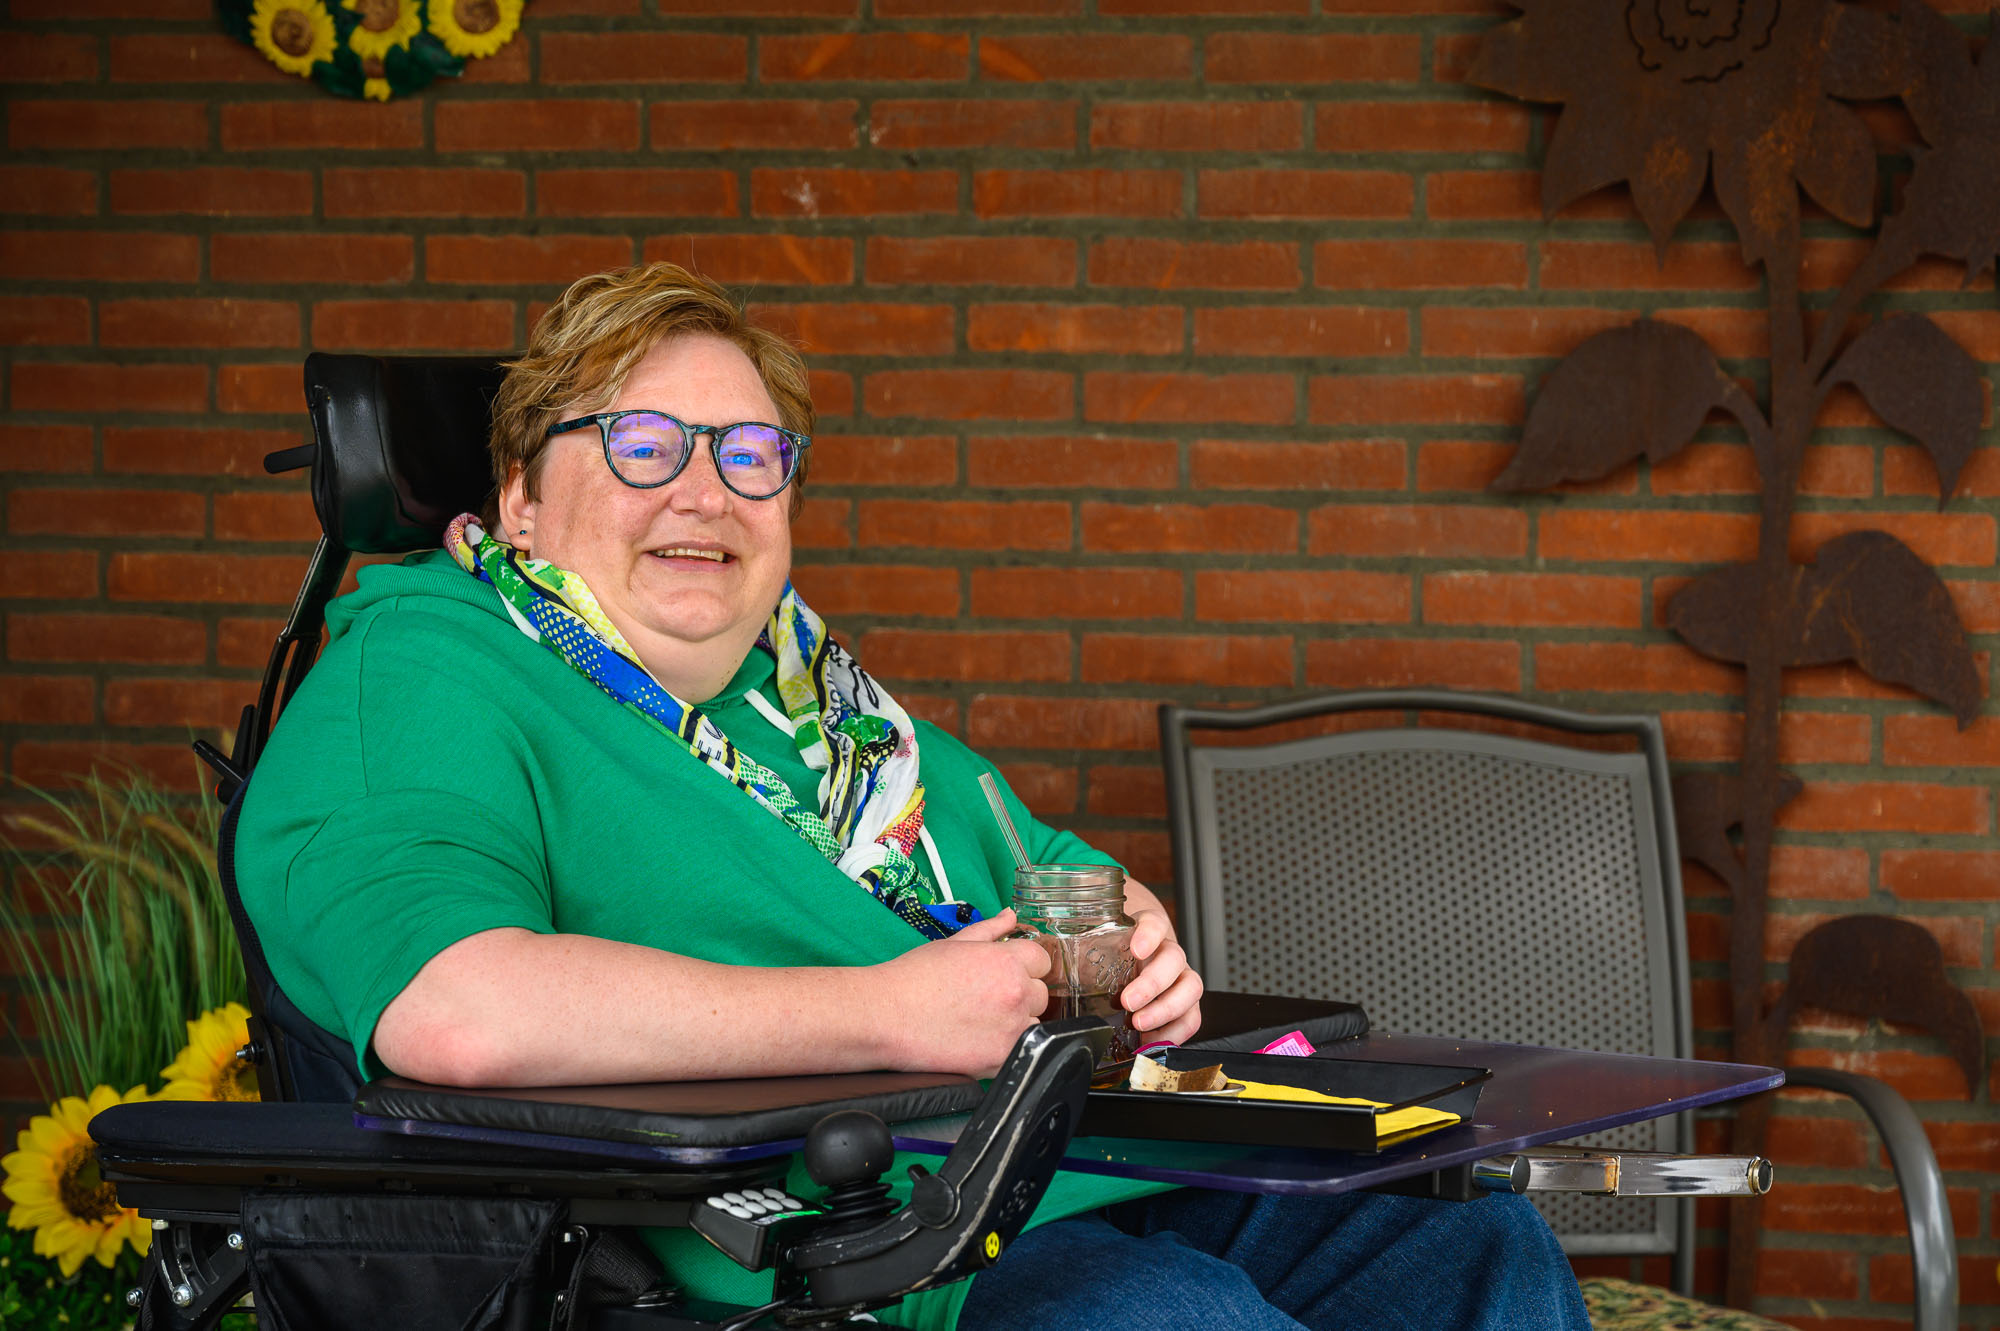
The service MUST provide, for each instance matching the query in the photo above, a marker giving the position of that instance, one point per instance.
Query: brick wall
(1234, 303)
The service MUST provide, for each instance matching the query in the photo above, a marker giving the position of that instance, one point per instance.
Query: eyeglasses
(646, 449)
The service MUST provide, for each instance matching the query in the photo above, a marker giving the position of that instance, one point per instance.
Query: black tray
(1181, 1117)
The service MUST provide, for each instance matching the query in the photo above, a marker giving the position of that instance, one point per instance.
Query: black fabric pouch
(333, 1263)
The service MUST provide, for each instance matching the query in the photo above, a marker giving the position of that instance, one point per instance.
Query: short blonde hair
(584, 347)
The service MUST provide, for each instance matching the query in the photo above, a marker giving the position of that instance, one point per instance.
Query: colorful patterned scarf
(871, 802)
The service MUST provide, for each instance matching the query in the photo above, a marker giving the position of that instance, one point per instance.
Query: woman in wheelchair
(591, 796)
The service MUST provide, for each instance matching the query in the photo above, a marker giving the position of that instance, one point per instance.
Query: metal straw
(992, 789)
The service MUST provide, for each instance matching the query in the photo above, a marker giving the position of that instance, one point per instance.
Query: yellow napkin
(1397, 1123)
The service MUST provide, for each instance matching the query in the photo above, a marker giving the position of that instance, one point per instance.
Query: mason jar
(1077, 913)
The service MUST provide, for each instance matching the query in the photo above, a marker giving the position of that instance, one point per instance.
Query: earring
(522, 532)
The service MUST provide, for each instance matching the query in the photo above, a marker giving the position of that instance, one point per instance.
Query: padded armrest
(1933, 1246)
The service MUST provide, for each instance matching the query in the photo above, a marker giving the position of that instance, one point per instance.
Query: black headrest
(401, 446)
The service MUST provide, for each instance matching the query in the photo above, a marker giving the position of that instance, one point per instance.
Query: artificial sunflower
(384, 25)
(208, 1069)
(294, 35)
(474, 28)
(57, 1191)
(1655, 92)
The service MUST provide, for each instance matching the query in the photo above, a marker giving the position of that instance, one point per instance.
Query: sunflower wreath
(372, 48)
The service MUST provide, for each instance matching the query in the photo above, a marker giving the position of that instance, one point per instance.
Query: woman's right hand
(958, 1004)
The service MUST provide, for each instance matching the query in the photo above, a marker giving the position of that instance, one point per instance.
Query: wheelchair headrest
(400, 446)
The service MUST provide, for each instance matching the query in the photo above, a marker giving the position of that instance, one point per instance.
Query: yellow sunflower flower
(208, 1069)
(385, 25)
(294, 35)
(57, 1191)
(472, 29)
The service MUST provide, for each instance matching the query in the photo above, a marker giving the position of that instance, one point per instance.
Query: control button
(777, 1195)
(741, 1212)
(733, 1198)
(718, 1203)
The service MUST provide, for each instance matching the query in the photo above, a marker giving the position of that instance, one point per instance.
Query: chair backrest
(1454, 882)
(398, 451)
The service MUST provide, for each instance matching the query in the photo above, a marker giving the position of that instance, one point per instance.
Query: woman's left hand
(1164, 998)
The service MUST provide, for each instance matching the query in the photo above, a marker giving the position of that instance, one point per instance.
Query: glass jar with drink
(1077, 913)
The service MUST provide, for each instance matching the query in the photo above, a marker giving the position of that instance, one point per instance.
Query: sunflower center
(476, 16)
(237, 1080)
(84, 1193)
(291, 32)
(379, 15)
(1700, 41)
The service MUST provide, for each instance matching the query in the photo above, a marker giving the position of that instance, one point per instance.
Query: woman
(616, 809)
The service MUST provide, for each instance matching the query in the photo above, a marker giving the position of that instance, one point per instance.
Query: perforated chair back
(1454, 883)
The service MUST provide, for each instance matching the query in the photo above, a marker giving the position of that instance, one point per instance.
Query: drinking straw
(992, 789)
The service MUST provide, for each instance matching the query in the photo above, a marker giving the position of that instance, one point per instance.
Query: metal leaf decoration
(1865, 598)
(1707, 808)
(1922, 383)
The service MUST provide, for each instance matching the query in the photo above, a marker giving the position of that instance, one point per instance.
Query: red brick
(1882, 806)
(1793, 1273)
(832, 393)
(947, 394)
(99, 387)
(322, 123)
(59, 764)
(1094, 462)
(1387, 663)
(1435, 532)
(245, 642)
(51, 191)
(643, 57)
(186, 57)
(1127, 791)
(198, 323)
(1943, 539)
(1062, 723)
(1197, 126)
(1830, 1143)
(816, 260)
(1145, 330)
(1460, 464)
(99, 256)
(1967, 1146)
(423, 191)
(866, 56)
(1231, 7)
(1941, 875)
(44, 448)
(1842, 470)
(265, 388)
(1378, 265)
(991, 123)
(1525, 599)
(49, 574)
(239, 579)
(214, 191)
(973, 260)
(287, 257)
(1249, 399)
(74, 125)
(457, 325)
(1621, 667)
(1803, 737)
(763, 123)
(1908, 470)
(544, 126)
(1730, 333)
(1105, 57)
(1675, 536)
(862, 329)
(49, 57)
(1292, 57)
(265, 515)
(174, 702)
(900, 460)
(974, 8)
(1302, 597)
(44, 321)
(1342, 464)
(1916, 1077)
(48, 700)
(105, 513)
(1936, 741)
(68, 10)
(509, 66)
(1426, 399)
(1690, 266)
(951, 654)
(744, 8)
(1318, 331)
(822, 524)
(1076, 593)
(1046, 789)
(1485, 195)
(1193, 265)
(965, 525)
(1195, 528)
(1234, 662)
(138, 639)
(515, 260)
(843, 192)
(850, 589)
(1092, 192)
(1265, 194)
(1456, 127)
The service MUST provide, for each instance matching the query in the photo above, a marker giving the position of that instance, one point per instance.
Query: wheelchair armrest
(1933, 1246)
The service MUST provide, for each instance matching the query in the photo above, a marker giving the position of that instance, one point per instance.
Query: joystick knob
(847, 1153)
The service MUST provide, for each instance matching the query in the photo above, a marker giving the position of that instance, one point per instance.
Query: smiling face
(689, 571)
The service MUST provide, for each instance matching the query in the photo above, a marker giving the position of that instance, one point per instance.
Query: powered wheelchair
(339, 1205)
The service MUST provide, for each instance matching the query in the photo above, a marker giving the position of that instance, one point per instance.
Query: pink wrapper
(1295, 1044)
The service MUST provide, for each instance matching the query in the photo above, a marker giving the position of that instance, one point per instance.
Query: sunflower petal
(1838, 168)
(1669, 181)
(1586, 153)
(1864, 60)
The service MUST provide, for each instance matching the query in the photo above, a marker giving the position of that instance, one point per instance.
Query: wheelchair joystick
(847, 1153)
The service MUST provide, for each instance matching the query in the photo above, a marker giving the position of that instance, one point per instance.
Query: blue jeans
(1237, 1262)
